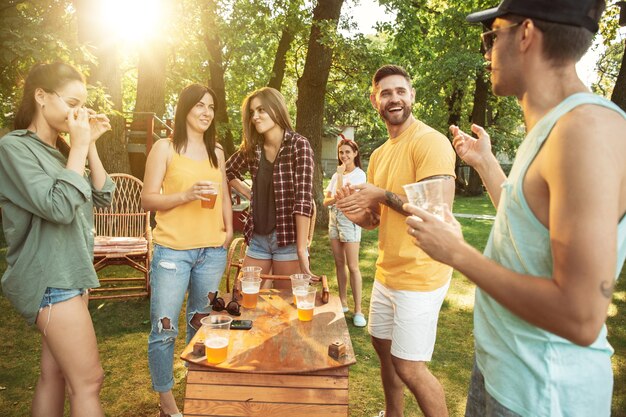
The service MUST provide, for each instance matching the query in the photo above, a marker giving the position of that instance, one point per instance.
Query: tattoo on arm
(606, 288)
(394, 202)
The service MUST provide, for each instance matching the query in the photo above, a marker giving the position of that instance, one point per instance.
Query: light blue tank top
(529, 370)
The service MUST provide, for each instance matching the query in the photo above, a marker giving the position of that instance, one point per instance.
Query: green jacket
(47, 218)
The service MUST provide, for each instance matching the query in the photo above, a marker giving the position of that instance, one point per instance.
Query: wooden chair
(237, 251)
(234, 260)
(123, 237)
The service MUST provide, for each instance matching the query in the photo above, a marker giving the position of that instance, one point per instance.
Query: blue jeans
(172, 274)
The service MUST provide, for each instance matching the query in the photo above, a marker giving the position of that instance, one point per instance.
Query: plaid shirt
(293, 184)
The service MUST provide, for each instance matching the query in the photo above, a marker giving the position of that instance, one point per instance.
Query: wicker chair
(237, 251)
(123, 237)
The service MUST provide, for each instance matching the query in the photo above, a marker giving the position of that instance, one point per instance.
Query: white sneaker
(359, 321)
(345, 309)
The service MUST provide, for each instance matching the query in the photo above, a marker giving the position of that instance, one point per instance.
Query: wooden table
(279, 368)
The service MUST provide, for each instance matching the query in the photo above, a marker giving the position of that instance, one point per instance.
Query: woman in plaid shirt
(280, 162)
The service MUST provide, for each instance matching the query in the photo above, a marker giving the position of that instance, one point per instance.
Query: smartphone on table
(241, 325)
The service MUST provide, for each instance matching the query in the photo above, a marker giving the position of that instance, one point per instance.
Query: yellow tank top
(189, 226)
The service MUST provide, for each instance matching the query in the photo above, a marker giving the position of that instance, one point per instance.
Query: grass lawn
(122, 328)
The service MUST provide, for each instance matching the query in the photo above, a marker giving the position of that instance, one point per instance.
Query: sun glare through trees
(132, 20)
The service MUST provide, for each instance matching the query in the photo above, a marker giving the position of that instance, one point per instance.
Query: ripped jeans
(172, 274)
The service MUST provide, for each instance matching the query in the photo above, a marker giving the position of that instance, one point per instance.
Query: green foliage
(612, 51)
(347, 96)
(32, 32)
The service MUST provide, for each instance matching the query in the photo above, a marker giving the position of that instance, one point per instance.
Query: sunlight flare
(132, 20)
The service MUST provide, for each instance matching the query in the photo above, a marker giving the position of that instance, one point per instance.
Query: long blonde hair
(274, 104)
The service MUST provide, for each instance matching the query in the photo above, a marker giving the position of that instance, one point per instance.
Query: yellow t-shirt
(189, 226)
(419, 152)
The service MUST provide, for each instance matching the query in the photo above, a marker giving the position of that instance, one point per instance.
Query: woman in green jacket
(47, 197)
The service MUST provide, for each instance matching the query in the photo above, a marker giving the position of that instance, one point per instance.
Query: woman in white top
(345, 236)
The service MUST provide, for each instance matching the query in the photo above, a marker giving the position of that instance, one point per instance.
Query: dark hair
(189, 97)
(564, 43)
(352, 144)
(386, 71)
(276, 108)
(48, 77)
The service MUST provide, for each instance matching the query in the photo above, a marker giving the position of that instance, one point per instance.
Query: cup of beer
(299, 280)
(305, 300)
(211, 195)
(216, 330)
(250, 286)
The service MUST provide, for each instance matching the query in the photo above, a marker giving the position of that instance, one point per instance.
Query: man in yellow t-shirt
(409, 287)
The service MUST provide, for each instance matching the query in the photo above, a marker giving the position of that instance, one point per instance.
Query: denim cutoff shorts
(58, 295)
(341, 228)
(266, 247)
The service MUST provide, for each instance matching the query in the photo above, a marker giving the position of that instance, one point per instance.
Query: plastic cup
(305, 299)
(251, 271)
(216, 330)
(250, 286)
(299, 280)
(427, 195)
(212, 197)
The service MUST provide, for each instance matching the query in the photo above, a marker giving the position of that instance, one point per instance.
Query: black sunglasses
(218, 304)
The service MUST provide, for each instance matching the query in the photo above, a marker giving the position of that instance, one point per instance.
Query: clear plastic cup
(299, 280)
(427, 195)
(250, 287)
(216, 331)
(212, 197)
(251, 271)
(305, 299)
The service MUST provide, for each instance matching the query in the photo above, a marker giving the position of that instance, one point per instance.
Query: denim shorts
(480, 403)
(58, 295)
(265, 247)
(339, 227)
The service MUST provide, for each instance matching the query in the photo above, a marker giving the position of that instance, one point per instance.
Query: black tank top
(264, 213)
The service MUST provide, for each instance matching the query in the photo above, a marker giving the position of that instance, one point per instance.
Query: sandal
(164, 414)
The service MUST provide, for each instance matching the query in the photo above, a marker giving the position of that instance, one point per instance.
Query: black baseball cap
(568, 12)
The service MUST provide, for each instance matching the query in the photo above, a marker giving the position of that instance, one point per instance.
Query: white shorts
(407, 318)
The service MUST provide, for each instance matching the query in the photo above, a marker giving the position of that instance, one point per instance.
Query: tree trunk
(312, 90)
(479, 111)
(619, 91)
(151, 79)
(292, 18)
(454, 106)
(280, 61)
(91, 30)
(213, 45)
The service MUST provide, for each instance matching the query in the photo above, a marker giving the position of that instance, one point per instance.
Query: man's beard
(395, 118)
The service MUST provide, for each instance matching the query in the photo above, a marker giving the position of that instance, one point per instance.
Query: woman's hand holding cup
(206, 191)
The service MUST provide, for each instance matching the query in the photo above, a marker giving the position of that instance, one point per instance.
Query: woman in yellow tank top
(185, 183)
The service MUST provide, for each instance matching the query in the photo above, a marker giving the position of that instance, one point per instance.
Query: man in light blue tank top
(558, 243)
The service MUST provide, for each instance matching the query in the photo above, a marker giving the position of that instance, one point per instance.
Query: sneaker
(345, 309)
(359, 321)
(381, 414)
